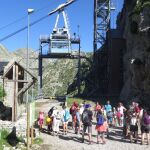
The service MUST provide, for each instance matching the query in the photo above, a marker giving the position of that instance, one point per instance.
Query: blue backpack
(67, 115)
(100, 119)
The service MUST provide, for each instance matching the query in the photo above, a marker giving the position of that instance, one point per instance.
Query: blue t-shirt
(108, 108)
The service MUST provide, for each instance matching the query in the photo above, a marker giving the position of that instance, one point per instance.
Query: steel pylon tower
(102, 10)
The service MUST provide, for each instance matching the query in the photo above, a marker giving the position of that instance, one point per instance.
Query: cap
(87, 105)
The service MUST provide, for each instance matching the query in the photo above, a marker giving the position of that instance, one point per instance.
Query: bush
(2, 92)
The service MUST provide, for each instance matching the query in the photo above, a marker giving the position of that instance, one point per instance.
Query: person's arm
(124, 108)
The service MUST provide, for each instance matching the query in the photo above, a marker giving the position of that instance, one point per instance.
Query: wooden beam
(26, 87)
(24, 81)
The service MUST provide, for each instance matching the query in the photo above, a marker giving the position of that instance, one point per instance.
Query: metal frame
(102, 10)
(56, 56)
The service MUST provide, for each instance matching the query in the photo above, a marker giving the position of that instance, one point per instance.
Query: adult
(87, 117)
(78, 121)
(56, 121)
(73, 113)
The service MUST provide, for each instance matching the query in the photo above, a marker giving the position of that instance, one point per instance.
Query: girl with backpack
(101, 127)
(65, 119)
(145, 127)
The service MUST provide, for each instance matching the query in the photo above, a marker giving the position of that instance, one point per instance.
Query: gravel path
(72, 141)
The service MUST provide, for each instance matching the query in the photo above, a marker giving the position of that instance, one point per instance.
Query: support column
(79, 71)
(40, 72)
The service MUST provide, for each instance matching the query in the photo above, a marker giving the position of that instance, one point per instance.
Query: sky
(79, 13)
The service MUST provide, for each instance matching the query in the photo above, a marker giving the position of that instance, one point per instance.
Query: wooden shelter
(15, 78)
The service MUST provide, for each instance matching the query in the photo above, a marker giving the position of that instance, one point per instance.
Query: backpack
(67, 115)
(50, 112)
(100, 119)
(72, 110)
(147, 120)
(85, 118)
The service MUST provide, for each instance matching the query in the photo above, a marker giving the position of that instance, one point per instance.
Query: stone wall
(137, 55)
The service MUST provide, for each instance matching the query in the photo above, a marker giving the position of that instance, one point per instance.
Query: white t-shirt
(120, 109)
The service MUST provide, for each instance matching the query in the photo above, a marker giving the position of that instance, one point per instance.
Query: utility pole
(30, 11)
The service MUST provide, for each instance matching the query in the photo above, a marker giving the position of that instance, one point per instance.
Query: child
(145, 127)
(65, 119)
(101, 127)
(133, 127)
(114, 117)
(41, 119)
(49, 123)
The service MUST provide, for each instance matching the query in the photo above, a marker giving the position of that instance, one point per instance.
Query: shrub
(2, 92)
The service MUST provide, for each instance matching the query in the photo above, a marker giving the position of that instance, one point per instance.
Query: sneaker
(90, 143)
(82, 140)
(135, 141)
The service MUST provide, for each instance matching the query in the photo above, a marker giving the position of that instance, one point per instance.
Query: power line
(22, 29)
(18, 20)
(22, 18)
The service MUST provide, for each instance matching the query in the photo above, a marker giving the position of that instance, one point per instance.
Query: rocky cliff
(134, 21)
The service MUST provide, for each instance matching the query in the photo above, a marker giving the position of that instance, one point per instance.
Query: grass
(78, 100)
(3, 134)
(38, 141)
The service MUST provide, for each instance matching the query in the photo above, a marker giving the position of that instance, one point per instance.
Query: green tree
(2, 92)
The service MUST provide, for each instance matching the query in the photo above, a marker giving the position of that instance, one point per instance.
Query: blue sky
(79, 13)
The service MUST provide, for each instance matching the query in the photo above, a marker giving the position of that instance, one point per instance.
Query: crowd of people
(134, 120)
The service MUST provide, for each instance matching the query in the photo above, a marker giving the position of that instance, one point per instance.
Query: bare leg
(97, 137)
(143, 135)
(83, 134)
(136, 136)
(131, 135)
(90, 137)
(148, 138)
(103, 139)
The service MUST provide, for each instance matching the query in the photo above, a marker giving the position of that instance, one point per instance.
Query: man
(87, 117)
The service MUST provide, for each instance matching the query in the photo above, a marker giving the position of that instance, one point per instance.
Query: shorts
(133, 128)
(89, 128)
(77, 123)
(145, 129)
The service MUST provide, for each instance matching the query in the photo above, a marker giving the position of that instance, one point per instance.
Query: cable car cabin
(60, 41)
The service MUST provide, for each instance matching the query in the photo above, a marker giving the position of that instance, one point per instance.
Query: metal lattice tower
(102, 10)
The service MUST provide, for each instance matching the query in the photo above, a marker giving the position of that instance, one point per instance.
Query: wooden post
(28, 125)
(13, 105)
(32, 135)
(16, 91)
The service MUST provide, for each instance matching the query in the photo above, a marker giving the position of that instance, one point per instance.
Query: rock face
(136, 31)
